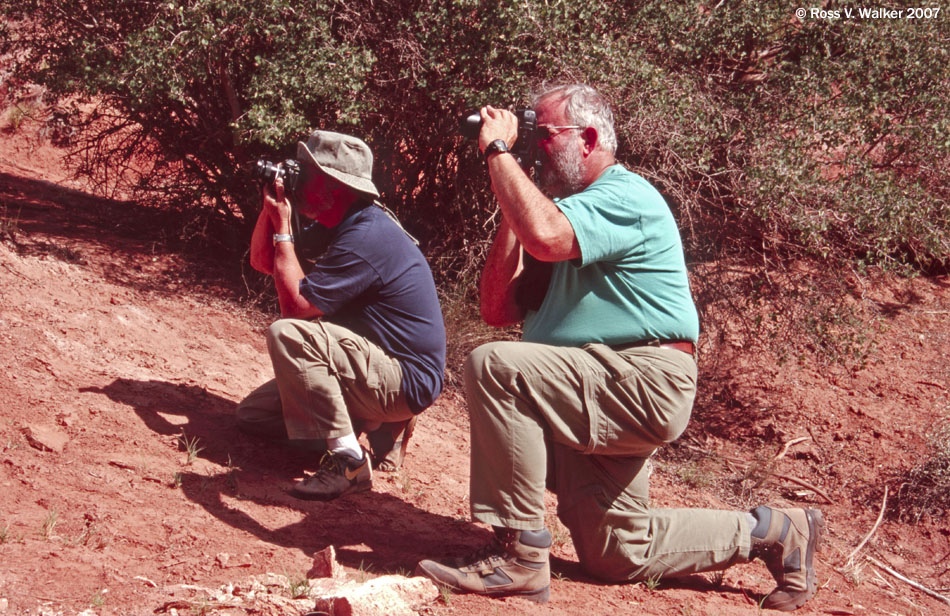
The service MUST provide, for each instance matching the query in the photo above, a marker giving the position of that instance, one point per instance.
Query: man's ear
(589, 135)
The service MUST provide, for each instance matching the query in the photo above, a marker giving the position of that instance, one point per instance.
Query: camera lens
(266, 170)
(470, 125)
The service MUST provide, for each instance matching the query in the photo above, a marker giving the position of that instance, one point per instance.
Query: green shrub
(776, 140)
(925, 489)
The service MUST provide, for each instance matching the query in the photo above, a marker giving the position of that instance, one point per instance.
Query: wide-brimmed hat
(343, 157)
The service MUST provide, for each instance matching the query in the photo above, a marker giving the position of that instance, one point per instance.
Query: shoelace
(487, 557)
(331, 463)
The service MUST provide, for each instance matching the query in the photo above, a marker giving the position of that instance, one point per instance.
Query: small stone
(325, 565)
(389, 595)
(45, 438)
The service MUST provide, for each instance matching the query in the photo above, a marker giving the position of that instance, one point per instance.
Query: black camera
(288, 171)
(525, 149)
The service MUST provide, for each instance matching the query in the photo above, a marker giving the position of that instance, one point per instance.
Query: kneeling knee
(288, 337)
(480, 363)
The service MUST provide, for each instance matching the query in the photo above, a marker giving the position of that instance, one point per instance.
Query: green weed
(19, 113)
(49, 524)
(190, 444)
(99, 598)
(365, 571)
(298, 586)
(695, 476)
(91, 537)
(559, 576)
(9, 225)
(65, 253)
(405, 482)
(445, 594)
(652, 582)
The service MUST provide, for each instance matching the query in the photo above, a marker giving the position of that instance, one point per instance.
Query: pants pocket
(639, 404)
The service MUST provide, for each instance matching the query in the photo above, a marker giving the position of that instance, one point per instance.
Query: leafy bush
(775, 139)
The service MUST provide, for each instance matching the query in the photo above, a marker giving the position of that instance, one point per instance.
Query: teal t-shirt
(630, 283)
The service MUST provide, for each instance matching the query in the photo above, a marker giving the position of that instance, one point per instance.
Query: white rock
(389, 595)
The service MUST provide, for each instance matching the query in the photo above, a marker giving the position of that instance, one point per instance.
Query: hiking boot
(339, 474)
(786, 540)
(389, 442)
(514, 563)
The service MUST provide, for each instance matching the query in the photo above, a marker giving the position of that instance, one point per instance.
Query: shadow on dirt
(204, 416)
(374, 531)
(139, 240)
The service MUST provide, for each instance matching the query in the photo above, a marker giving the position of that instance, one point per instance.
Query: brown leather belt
(680, 345)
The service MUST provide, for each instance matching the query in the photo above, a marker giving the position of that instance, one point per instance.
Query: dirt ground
(118, 357)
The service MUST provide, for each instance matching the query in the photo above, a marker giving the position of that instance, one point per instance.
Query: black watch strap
(496, 147)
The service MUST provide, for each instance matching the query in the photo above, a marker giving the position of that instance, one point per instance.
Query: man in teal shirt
(605, 375)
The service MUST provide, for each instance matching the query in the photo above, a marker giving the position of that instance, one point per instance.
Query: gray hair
(585, 107)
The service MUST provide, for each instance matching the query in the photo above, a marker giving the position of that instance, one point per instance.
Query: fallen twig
(908, 581)
(805, 484)
(788, 445)
(880, 517)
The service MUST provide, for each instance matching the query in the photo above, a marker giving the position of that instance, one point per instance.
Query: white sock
(348, 444)
(752, 521)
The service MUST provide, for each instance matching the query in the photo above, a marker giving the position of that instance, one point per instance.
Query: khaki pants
(584, 421)
(325, 377)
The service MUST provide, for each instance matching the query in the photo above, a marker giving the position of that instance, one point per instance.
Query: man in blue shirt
(605, 375)
(361, 345)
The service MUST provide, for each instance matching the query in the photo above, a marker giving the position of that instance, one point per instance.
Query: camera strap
(395, 220)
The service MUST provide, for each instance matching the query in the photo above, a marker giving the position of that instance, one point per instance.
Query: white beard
(564, 174)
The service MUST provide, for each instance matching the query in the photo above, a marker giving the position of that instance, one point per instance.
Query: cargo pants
(584, 421)
(326, 377)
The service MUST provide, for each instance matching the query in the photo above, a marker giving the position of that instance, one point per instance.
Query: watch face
(498, 145)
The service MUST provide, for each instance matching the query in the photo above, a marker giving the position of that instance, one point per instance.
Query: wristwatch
(283, 237)
(496, 147)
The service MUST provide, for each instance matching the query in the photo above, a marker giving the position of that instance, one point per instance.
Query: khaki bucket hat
(343, 157)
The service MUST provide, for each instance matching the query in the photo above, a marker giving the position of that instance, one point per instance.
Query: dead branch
(880, 517)
(806, 485)
(788, 445)
(908, 581)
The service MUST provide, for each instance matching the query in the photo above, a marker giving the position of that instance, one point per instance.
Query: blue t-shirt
(373, 280)
(630, 283)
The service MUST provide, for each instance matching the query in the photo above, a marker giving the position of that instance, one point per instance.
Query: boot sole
(541, 595)
(816, 525)
(359, 487)
(538, 596)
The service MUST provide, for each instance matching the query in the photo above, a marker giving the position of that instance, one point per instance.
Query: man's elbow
(544, 251)
(264, 266)
(300, 309)
(551, 248)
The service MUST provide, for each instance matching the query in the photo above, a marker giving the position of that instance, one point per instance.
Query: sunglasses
(547, 132)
